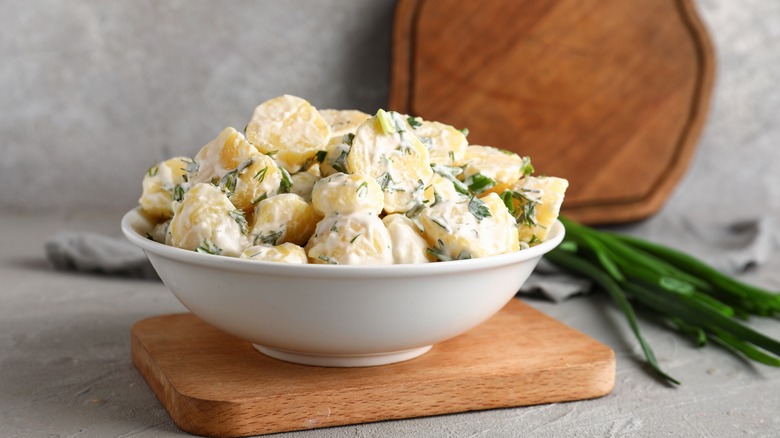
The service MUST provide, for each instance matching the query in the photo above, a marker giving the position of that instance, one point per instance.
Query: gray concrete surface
(93, 92)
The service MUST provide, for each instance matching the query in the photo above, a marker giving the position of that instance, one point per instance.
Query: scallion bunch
(690, 295)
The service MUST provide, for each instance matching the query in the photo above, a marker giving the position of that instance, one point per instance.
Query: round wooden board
(610, 94)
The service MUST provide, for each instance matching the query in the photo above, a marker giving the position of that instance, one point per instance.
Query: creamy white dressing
(408, 244)
(204, 216)
(351, 239)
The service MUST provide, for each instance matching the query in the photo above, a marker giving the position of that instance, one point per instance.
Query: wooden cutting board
(610, 94)
(214, 384)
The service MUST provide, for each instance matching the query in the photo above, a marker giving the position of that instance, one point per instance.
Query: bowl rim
(133, 218)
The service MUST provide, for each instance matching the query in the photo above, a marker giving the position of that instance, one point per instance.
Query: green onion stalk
(690, 296)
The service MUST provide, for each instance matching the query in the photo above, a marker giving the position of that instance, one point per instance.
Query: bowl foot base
(343, 360)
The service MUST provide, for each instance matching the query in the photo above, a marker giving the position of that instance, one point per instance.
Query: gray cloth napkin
(732, 248)
(96, 253)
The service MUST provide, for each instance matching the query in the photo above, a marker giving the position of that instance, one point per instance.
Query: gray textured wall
(93, 92)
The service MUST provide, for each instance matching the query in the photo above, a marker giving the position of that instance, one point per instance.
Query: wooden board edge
(616, 211)
(594, 380)
(162, 387)
(641, 208)
(401, 55)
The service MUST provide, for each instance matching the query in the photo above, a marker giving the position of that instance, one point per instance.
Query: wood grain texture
(610, 94)
(214, 384)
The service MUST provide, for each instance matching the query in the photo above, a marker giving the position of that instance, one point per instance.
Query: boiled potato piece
(284, 253)
(386, 149)
(235, 166)
(341, 193)
(445, 189)
(159, 184)
(160, 233)
(537, 202)
(351, 239)
(303, 182)
(343, 121)
(470, 229)
(336, 155)
(446, 145)
(489, 169)
(408, 244)
(290, 128)
(206, 221)
(283, 218)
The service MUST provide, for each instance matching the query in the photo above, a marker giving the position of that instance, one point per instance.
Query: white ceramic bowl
(339, 315)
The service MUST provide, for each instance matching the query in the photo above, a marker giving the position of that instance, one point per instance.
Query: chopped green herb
(450, 173)
(229, 181)
(464, 131)
(348, 138)
(362, 189)
(149, 236)
(452, 156)
(415, 211)
(259, 199)
(320, 156)
(215, 181)
(245, 126)
(286, 184)
(534, 240)
(440, 252)
(178, 193)
(208, 247)
(525, 211)
(334, 228)
(478, 208)
(260, 175)
(478, 183)
(327, 260)
(240, 218)
(527, 168)
(191, 166)
(341, 162)
(414, 122)
(270, 238)
(153, 171)
(385, 122)
(444, 226)
(354, 238)
(426, 141)
(271, 153)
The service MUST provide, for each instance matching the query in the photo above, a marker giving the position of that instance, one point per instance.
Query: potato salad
(342, 187)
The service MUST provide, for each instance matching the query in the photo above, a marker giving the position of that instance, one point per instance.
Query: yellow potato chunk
(470, 229)
(351, 239)
(503, 167)
(283, 218)
(206, 221)
(336, 155)
(303, 182)
(290, 128)
(158, 186)
(408, 244)
(161, 233)
(341, 193)
(446, 145)
(446, 189)
(343, 121)
(231, 163)
(386, 149)
(284, 253)
(537, 202)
